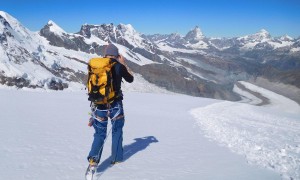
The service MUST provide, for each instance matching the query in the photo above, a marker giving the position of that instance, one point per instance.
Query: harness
(117, 116)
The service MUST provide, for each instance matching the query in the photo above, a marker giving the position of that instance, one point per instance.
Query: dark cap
(111, 50)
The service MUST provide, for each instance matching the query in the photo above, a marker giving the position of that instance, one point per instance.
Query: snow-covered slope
(29, 61)
(51, 141)
(266, 135)
(134, 38)
(41, 60)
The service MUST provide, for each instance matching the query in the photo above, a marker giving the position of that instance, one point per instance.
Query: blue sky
(216, 18)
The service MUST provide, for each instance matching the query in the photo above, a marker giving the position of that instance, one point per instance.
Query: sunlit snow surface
(266, 135)
(44, 135)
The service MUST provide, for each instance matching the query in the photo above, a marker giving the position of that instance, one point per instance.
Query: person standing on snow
(114, 110)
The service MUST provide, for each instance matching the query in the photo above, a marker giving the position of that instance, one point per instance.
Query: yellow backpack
(100, 81)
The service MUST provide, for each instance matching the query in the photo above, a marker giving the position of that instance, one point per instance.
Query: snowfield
(44, 135)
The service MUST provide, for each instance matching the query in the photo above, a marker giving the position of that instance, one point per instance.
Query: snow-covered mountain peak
(263, 33)
(133, 37)
(261, 36)
(15, 33)
(13, 23)
(194, 35)
(55, 28)
(7, 17)
(195, 39)
(2, 13)
(127, 28)
(286, 38)
(3, 23)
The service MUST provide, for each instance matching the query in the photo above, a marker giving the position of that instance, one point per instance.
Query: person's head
(111, 51)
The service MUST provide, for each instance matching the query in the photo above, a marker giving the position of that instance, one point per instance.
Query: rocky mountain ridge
(192, 64)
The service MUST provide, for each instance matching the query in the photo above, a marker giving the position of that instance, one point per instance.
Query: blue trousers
(100, 126)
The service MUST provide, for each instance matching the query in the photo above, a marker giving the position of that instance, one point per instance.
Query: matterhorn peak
(197, 29)
(194, 35)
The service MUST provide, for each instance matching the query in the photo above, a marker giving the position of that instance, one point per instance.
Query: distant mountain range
(192, 64)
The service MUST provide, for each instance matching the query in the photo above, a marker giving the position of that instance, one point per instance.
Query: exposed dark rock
(19, 82)
(56, 84)
(179, 80)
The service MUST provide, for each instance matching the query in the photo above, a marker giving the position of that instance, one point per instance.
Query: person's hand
(122, 60)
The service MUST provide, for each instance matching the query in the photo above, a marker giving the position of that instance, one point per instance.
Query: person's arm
(126, 75)
(126, 72)
(122, 61)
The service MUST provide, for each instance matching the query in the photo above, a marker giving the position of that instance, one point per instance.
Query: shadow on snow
(140, 144)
